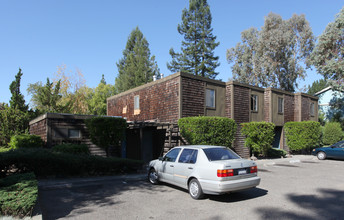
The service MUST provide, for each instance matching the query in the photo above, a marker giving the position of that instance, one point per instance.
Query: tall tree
(273, 56)
(317, 86)
(97, 98)
(197, 56)
(73, 89)
(137, 66)
(46, 98)
(17, 100)
(328, 54)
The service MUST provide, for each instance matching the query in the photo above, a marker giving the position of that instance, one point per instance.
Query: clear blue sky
(38, 36)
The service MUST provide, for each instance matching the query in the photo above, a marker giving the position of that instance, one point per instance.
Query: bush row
(72, 148)
(302, 136)
(45, 163)
(18, 194)
(208, 130)
(259, 136)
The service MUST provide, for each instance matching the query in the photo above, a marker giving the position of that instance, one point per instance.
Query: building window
(210, 98)
(73, 133)
(136, 102)
(254, 103)
(312, 109)
(280, 105)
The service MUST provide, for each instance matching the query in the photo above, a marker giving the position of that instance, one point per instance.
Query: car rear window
(220, 154)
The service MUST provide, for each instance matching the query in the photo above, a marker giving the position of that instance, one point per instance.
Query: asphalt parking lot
(301, 187)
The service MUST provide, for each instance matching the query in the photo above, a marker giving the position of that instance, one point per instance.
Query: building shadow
(60, 202)
(326, 204)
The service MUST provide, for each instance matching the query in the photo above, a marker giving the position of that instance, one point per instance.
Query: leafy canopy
(197, 51)
(328, 54)
(273, 56)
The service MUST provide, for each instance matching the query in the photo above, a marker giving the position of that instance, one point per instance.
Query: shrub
(332, 133)
(46, 163)
(303, 135)
(276, 153)
(106, 131)
(4, 149)
(18, 194)
(72, 148)
(259, 136)
(208, 130)
(25, 141)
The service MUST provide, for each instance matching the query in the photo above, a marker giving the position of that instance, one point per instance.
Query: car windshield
(220, 154)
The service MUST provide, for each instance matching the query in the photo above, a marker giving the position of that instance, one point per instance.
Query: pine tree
(17, 99)
(197, 56)
(137, 66)
(103, 80)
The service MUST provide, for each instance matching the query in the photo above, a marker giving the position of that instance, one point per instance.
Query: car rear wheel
(321, 155)
(195, 189)
(153, 177)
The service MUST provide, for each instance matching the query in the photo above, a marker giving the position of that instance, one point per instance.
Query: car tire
(195, 189)
(321, 155)
(153, 177)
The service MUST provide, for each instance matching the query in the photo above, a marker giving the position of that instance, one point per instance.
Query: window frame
(280, 110)
(312, 109)
(166, 157)
(213, 104)
(74, 129)
(137, 102)
(256, 101)
(193, 153)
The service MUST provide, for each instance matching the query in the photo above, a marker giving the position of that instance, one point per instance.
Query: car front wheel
(321, 155)
(153, 176)
(195, 189)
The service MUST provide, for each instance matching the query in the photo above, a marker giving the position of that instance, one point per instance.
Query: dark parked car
(335, 151)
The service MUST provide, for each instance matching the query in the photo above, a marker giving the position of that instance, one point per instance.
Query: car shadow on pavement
(72, 201)
(327, 204)
(239, 196)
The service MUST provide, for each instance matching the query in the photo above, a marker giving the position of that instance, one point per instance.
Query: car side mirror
(161, 158)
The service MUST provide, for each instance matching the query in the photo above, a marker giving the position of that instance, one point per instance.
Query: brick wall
(289, 108)
(40, 128)
(193, 98)
(305, 110)
(267, 104)
(241, 115)
(157, 101)
(228, 101)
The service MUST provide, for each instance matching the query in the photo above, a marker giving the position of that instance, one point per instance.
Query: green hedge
(46, 163)
(18, 194)
(25, 141)
(208, 130)
(259, 136)
(302, 136)
(276, 153)
(332, 133)
(72, 148)
(106, 132)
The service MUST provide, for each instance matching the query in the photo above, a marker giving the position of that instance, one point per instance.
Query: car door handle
(190, 168)
(171, 166)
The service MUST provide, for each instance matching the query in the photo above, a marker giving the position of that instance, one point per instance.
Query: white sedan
(204, 169)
